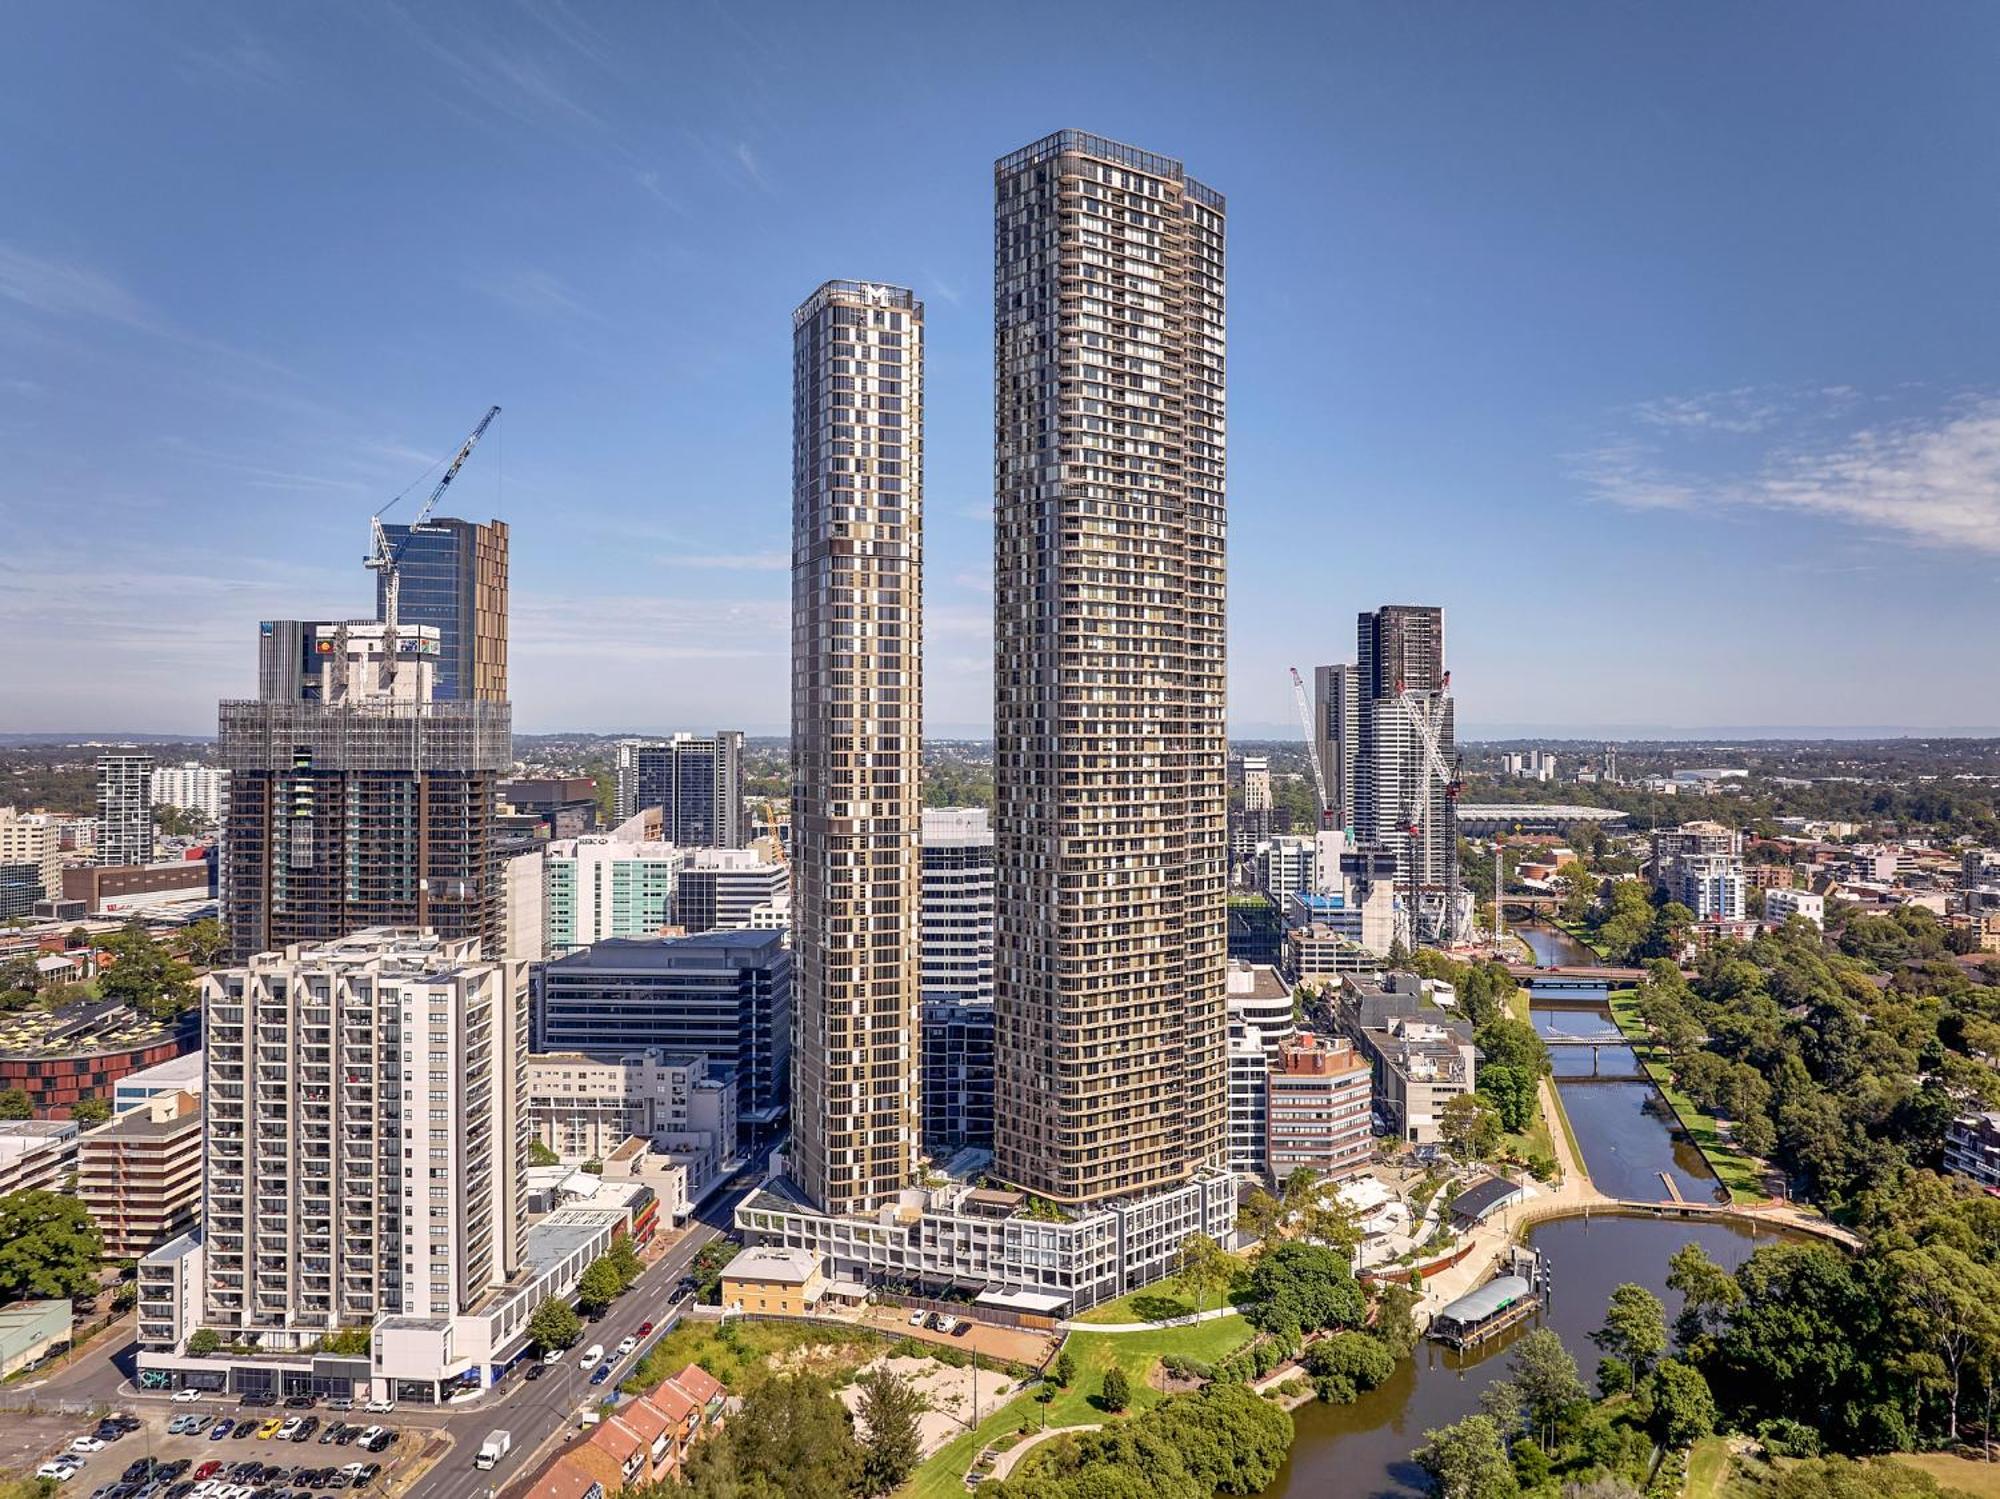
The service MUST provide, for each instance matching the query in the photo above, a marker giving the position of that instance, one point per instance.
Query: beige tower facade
(857, 740)
(1109, 692)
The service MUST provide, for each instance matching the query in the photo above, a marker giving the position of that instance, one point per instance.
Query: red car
(644, 1328)
(207, 1470)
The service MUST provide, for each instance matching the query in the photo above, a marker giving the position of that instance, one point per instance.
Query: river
(1362, 1450)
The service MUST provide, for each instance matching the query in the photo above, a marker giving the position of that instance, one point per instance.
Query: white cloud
(1931, 480)
(535, 294)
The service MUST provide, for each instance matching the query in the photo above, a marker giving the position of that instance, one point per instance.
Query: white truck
(496, 1446)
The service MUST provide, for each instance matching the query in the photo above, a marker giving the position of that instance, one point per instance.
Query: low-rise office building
(30, 1331)
(1422, 1056)
(583, 1107)
(1319, 1108)
(725, 996)
(991, 1243)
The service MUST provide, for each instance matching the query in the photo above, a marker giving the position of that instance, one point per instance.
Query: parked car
(221, 1429)
(332, 1432)
(380, 1441)
(917, 1318)
(186, 1397)
(302, 1401)
(269, 1429)
(87, 1445)
(592, 1356)
(307, 1426)
(380, 1407)
(61, 1469)
(339, 1403)
(553, 1356)
(645, 1328)
(603, 1373)
(536, 1371)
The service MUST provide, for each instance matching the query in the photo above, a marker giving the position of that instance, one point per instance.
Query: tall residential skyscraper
(124, 808)
(453, 574)
(857, 738)
(1402, 683)
(1111, 813)
(696, 780)
(957, 953)
(1337, 730)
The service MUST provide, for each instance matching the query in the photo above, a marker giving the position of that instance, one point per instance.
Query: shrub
(1117, 1389)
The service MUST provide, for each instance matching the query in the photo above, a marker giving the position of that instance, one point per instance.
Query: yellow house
(776, 1282)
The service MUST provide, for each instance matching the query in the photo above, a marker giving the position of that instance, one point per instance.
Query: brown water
(1362, 1450)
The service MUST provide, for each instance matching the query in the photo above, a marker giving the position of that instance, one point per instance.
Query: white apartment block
(192, 787)
(33, 838)
(956, 924)
(1780, 905)
(124, 808)
(366, 1132)
(606, 885)
(1260, 1022)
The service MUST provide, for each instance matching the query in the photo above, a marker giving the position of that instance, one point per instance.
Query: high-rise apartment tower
(696, 780)
(124, 808)
(857, 738)
(1111, 757)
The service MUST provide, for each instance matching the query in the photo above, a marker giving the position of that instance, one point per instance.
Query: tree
(1260, 1216)
(1468, 1460)
(203, 942)
(1543, 1391)
(540, 1155)
(204, 1341)
(791, 1440)
(1395, 1320)
(49, 1246)
(1634, 1330)
(16, 1104)
(600, 1284)
(1707, 1290)
(625, 1260)
(1579, 892)
(889, 1409)
(1951, 1307)
(1300, 1288)
(1470, 1130)
(1117, 1391)
(88, 1111)
(554, 1325)
(1513, 1094)
(1683, 1408)
(1205, 1268)
(144, 975)
(1065, 1368)
(1347, 1365)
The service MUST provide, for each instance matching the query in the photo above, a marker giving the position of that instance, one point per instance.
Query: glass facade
(453, 574)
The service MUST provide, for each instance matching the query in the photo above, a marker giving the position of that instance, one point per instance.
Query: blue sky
(1659, 344)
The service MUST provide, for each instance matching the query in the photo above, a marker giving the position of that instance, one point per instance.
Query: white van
(592, 1356)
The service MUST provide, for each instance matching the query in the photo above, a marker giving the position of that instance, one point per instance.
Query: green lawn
(1155, 1303)
(1708, 1469)
(1096, 1353)
(1737, 1171)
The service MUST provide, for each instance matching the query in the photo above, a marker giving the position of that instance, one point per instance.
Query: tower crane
(1427, 720)
(1327, 814)
(385, 559)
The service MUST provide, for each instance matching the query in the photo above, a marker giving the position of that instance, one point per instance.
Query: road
(534, 1412)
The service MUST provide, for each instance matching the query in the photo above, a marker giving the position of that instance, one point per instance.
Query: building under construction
(1405, 761)
(366, 813)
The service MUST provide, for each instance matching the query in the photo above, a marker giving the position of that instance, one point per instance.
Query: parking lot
(209, 1449)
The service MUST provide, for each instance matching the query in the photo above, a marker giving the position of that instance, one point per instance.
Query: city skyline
(1605, 309)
